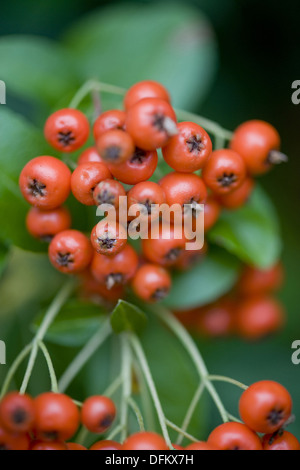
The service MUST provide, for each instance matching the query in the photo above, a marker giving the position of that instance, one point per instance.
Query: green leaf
(75, 324)
(127, 317)
(205, 282)
(36, 68)
(251, 233)
(123, 44)
(20, 141)
(3, 256)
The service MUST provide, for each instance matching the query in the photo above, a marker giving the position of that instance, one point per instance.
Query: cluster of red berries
(126, 153)
(50, 420)
(249, 310)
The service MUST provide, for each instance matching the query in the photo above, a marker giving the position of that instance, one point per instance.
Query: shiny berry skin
(107, 121)
(168, 248)
(145, 441)
(13, 441)
(238, 197)
(75, 446)
(259, 316)
(281, 440)
(44, 225)
(106, 445)
(92, 289)
(147, 194)
(84, 180)
(234, 436)
(217, 319)
(265, 406)
(224, 171)
(201, 446)
(140, 167)
(70, 251)
(115, 270)
(98, 413)
(212, 211)
(255, 281)
(115, 147)
(145, 89)
(184, 189)
(17, 413)
(44, 445)
(108, 237)
(89, 155)
(254, 140)
(189, 150)
(151, 122)
(45, 182)
(67, 130)
(108, 192)
(151, 283)
(57, 417)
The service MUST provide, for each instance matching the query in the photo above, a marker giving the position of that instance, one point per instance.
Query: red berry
(201, 446)
(75, 446)
(224, 171)
(115, 147)
(84, 180)
(109, 120)
(255, 281)
(57, 417)
(70, 251)
(98, 413)
(108, 192)
(67, 130)
(151, 122)
(234, 436)
(212, 212)
(89, 155)
(91, 288)
(17, 413)
(13, 441)
(145, 441)
(238, 197)
(189, 150)
(258, 143)
(147, 194)
(108, 238)
(44, 225)
(140, 167)
(45, 182)
(151, 283)
(44, 445)
(217, 319)
(281, 440)
(106, 445)
(145, 89)
(168, 248)
(265, 406)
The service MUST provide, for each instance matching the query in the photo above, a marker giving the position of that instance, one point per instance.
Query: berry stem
(14, 367)
(126, 380)
(139, 352)
(114, 432)
(49, 317)
(195, 355)
(181, 431)
(210, 126)
(84, 355)
(145, 396)
(233, 418)
(93, 86)
(113, 387)
(54, 384)
(221, 378)
(190, 411)
(137, 412)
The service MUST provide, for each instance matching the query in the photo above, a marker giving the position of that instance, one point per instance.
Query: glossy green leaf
(205, 282)
(127, 43)
(36, 68)
(75, 324)
(252, 232)
(127, 317)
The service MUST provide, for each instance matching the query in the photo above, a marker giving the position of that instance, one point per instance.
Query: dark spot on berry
(51, 435)
(105, 197)
(173, 254)
(19, 416)
(192, 207)
(159, 294)
(36, 188)
(66, 138)
(275, 417)
(64, 259)
(106, 422)
(147, 204)
(112, 153)
(227, 179)
(139, 156)
(46, 238)
(159, 122)
(114, 279)
(195, 144)
(106, 243)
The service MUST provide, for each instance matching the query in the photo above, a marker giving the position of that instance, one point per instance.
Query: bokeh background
(239, 65)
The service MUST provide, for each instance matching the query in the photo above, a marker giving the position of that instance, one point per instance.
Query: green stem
(145, 396)
(194, 353)
(139, 352)
(84, 355)
(92, 86)
(137, 412)
(190, 411)
(127, 382)
(49, 317)
(113, 387)
(233, 418)
(54, 385)
(14, 367)
(210, 126)
(82, 435)
(221, 378)
(117, 430)
(181, 431)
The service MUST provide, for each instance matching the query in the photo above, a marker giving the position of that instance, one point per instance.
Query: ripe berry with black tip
(107, 121)
(70, 251)
(108, 237)
(109, 192)
(17, 412)
(98, 413)
(168, 248)
(234, 436)
(84, 180)
(280, 440)
(238, 197)
(140, 167)
(145, 89)
(115, 147)
(151, 283)
(44, 225)
(224, 171)
(89, 155)
(67, 130)
(145, 441)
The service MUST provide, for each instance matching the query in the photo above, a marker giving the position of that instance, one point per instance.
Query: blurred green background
(240, 69)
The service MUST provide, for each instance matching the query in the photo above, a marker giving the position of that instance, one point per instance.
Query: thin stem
(127, 383)
(181, 431)
(194, 353)
(113, 387)
(82, 435)
(49, 317)
(91, 86)
(77, 403)
(190, 411)
(84, 355)
(145, 396)
(152, 388)
(14, 367)
(137, 412)
(233, 418)
(210, 126)
(97, 103)
(221, 378)
(117, 430)
(54, 385)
